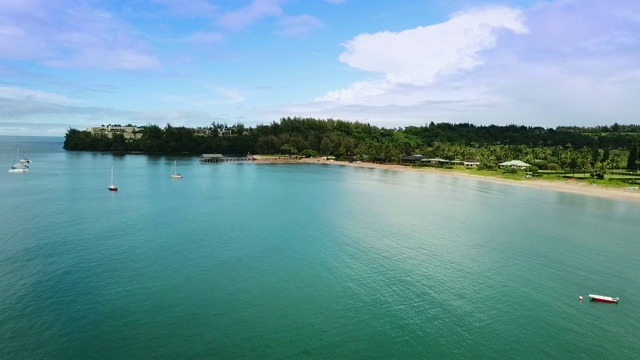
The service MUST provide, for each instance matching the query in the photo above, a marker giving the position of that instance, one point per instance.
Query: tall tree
(595, 153)
(606, 154)
(633, 156)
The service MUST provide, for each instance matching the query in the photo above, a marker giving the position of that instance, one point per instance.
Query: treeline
(155, 140)
(564, 147)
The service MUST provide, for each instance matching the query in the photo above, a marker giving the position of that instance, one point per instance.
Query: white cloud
(62, 34)
(15, 93)
(418, 56)
(416, 63)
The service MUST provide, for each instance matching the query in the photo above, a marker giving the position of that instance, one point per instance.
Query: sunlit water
(303, 261)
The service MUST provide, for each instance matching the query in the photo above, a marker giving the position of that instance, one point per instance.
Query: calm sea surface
(303, 261)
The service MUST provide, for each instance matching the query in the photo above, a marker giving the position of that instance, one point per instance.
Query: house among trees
(201, 131)
(516, 164)
(226, 131)
(232, 131)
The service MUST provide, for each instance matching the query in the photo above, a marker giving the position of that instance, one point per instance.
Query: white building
(129, 132)
(514, 164)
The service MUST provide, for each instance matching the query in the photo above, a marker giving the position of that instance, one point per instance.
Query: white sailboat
(174, 172)
(111, 186)
(19, 166)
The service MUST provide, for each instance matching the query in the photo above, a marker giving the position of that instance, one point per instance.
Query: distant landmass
(565, 147)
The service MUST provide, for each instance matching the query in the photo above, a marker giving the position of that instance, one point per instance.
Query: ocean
(255, 261)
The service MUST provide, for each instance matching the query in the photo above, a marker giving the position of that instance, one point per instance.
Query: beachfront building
(435, 161)
(471, 164)
(129, 132)
(411, 159)
(517, 164)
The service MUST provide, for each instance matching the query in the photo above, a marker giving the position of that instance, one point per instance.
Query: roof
(412, 157)
(212, 155)
(517, 163)
(437, 159)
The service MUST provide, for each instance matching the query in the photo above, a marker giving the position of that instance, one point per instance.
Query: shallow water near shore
(304, 261)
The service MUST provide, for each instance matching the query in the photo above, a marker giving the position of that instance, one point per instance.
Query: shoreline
(567, 186)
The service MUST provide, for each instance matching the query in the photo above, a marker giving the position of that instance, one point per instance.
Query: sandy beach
(568, 186)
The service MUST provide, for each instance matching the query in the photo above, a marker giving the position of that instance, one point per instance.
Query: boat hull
(111, 186)
(604, 299)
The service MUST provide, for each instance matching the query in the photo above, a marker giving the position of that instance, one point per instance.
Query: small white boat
(20, 166)
(604, 299)
(111, 186)
(174, 172)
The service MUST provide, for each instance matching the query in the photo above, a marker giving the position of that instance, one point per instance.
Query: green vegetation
(593, 152)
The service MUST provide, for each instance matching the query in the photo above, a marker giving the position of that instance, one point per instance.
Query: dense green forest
(571, 148)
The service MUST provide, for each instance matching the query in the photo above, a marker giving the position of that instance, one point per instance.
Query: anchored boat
(111, 186)
(174, 172)
(604, 299)
(20, 166)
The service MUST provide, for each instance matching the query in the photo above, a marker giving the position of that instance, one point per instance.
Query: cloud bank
(559, 62)
(565, 62)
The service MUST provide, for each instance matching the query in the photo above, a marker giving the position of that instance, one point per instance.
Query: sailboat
(19, 166)
(111, 186)
(174, 173)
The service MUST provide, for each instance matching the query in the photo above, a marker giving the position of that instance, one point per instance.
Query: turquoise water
(304, 261)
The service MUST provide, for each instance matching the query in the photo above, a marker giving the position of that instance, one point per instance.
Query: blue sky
(390, 63)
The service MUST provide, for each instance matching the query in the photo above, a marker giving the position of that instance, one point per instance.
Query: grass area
(610, 181)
